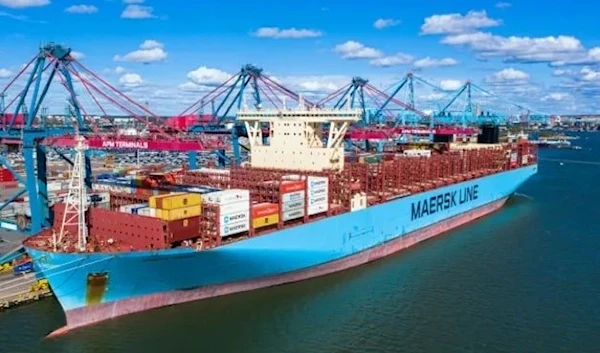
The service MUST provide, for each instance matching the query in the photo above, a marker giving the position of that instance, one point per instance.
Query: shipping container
(264, 221)
(288, 186)
(235, 217)
(227, 196)
(317, 208)
(292, 205)
(147, 212)
(183, 229)
(234, 207)
(132, 208)
(230, 229)
(293, 214)
(315, 182)
(265, 209)
(178, 213)
(174, 201)
(318, 200)
(292, 196)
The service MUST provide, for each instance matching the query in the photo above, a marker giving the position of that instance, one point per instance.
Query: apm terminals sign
(443, 201)
(140, 145)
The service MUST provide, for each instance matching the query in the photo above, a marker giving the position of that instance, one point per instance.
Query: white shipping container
(234, 228)
(318, 192)
(235, 217)
(227, 196)
(292, 205)
(318, 208)
(147, 211)
(234, 207)
(315, 182)
(292, 177)
(293, 214)
(317, 200)
(135, 208)
(125, 209)
(293, 196)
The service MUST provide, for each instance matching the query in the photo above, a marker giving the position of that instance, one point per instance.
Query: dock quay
(16, 291)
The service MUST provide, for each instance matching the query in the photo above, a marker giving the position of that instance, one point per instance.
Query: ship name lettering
(444, 201)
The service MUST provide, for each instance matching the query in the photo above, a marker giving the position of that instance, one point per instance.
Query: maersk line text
(443, 201)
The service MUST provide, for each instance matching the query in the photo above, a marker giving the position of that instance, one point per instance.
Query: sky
(167, 54)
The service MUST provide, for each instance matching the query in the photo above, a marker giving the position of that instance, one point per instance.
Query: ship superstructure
(296, 137)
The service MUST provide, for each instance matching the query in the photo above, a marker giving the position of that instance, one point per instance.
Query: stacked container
(234, 210)
(292, 199)
(318, 194)
(264, 214)
(174, 206)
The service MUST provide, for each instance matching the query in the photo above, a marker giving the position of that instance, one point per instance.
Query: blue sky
(169, 53)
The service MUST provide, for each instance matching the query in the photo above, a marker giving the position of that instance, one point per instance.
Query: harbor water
(524, 279)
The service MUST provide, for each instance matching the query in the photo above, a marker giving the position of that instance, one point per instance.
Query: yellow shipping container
(264, 221)
(178, 213)
(173, 201)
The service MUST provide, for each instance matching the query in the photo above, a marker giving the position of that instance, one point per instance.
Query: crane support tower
(50, 63)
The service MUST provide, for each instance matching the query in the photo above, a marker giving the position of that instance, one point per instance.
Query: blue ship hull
(97, 286)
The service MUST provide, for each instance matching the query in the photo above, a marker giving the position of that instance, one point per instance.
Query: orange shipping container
(264, 209)
(292, 186)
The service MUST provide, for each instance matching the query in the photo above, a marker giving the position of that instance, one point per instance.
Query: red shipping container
(264, 209)
(292, 186)
(183, 229)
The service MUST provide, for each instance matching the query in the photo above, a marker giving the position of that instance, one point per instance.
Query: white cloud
(77, 55)
(151, 44)
(503, 5)
(277, 33)
(21, 4)
(82, 9)
(589, 74)
(208, 76)
(509, 75)
(131, 80)
(392, 60)
(385, 22)
(428, 62)
(518, 49)
(4, 73)
(315, 85)
(591, 57)
(193, 87)
(555, 96)
(119, 70)
(455, 23)
(355, 50)
(150, 51)
(138, 12)
(451, 85)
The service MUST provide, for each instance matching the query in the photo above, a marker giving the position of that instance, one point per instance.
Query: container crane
(232, 93)
(52, 63)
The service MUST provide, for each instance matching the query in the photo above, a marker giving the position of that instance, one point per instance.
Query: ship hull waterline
(494, 191)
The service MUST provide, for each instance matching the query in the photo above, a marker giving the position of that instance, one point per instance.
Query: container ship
(301, 207)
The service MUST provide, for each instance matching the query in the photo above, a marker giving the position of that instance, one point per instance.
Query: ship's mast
(76, 201)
